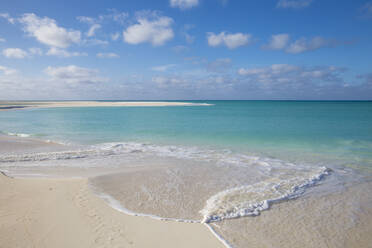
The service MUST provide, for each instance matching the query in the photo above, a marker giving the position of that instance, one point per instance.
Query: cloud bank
(73, 74)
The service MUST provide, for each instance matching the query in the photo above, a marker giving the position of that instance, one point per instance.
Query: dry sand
(64, 213)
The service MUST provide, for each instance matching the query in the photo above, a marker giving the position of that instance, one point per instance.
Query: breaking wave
(22, 135)
(279, 180)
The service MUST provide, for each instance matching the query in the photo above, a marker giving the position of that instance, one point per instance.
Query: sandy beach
(40, 212)
(64, 213)
(58, 195)
(186, 124)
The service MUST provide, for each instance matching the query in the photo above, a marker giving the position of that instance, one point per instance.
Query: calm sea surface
(317, 132)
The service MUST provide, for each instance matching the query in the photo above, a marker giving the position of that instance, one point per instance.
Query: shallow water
(295, 130)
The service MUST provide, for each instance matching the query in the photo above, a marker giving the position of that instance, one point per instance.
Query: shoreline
(31, 207)
(66, 212)
(39, 210)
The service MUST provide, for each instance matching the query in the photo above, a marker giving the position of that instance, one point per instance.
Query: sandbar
(11, 105)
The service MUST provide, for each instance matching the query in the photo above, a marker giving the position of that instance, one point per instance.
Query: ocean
(211, 164)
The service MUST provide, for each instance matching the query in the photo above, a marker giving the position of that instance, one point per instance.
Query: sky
(186, 50)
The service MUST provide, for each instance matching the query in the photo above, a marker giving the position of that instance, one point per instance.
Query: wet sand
(335, 213)
(40, 212)
(65, 212)
(19, 145)
(338, 219)
(178, 192)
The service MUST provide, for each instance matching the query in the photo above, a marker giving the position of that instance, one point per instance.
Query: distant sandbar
(67, 104)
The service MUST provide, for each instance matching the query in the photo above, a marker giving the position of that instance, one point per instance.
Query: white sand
(68, 104)
(64, 213)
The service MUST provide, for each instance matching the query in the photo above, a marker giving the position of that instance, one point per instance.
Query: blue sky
(186, 49)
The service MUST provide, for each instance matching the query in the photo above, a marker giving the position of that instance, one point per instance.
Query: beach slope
(65, 213)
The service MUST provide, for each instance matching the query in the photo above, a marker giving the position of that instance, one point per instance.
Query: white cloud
(192, 85)
(113, 15)
(119, 17)
(73, 74)
(270, 82)
(284, 74)
(274, 69)
(196, 60)
(53, 51)
(46, 31)
(92, 30)
(294, 4)
(232, 41)
(156, 30)
(277, 42)
(7, 17)
(95, 24)
(282, 42)
(184, 4)
(35, 51)
(163, 68)
(115, 36)
(7, 70)
(283, 81)
(107, 55)
(18, 53)
(160, 80)
(189, 38)
(76, 83)
(303, 45)
(96, 42)
(15, 53)
(2, 39)
(165, 82)
(86, 19)
(367, 79)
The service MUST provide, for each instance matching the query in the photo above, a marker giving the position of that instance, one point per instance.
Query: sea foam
(277, 180)
(22, 135)
(250, 200)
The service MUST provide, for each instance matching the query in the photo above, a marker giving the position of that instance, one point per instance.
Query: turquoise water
(315, 132)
